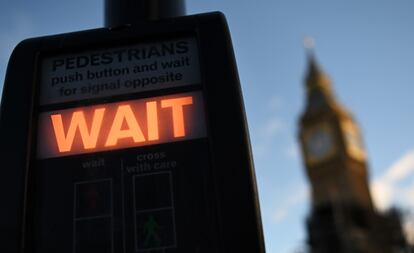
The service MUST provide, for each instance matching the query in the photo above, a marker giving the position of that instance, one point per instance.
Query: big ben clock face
(319, 143)
(353, 140)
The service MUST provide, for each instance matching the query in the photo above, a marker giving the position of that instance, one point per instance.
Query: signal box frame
(232, 183)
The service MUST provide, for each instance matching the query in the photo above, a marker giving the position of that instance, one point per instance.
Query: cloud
(388, 188)
(401, 168)
(266, 135)
(274, 124)
(409, 229)
(382, 193)
(396, 187)
(280, 215)
(293, 151)
(270, 128)
(294, 199)
(275, 103)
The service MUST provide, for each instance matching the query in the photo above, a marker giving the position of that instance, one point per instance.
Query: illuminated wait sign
(121, 125)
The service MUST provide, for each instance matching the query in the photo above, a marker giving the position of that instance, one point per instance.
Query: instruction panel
(122, 70)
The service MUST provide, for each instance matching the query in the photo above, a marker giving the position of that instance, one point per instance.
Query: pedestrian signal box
(127, 139)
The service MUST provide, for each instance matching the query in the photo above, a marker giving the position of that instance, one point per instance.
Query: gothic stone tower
(343, 218)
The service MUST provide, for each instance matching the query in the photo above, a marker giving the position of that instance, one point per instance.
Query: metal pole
(121, 12)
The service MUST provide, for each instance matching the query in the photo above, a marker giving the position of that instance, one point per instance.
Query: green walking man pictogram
(151, 229)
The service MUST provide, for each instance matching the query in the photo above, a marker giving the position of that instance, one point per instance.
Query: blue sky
(365, 46)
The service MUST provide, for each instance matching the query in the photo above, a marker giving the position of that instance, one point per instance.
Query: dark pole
(121, 12)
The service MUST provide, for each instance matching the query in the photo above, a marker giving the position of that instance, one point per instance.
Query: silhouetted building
(343, 218)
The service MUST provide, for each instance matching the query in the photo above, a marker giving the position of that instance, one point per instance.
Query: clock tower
(343, 218)
(332, 146)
